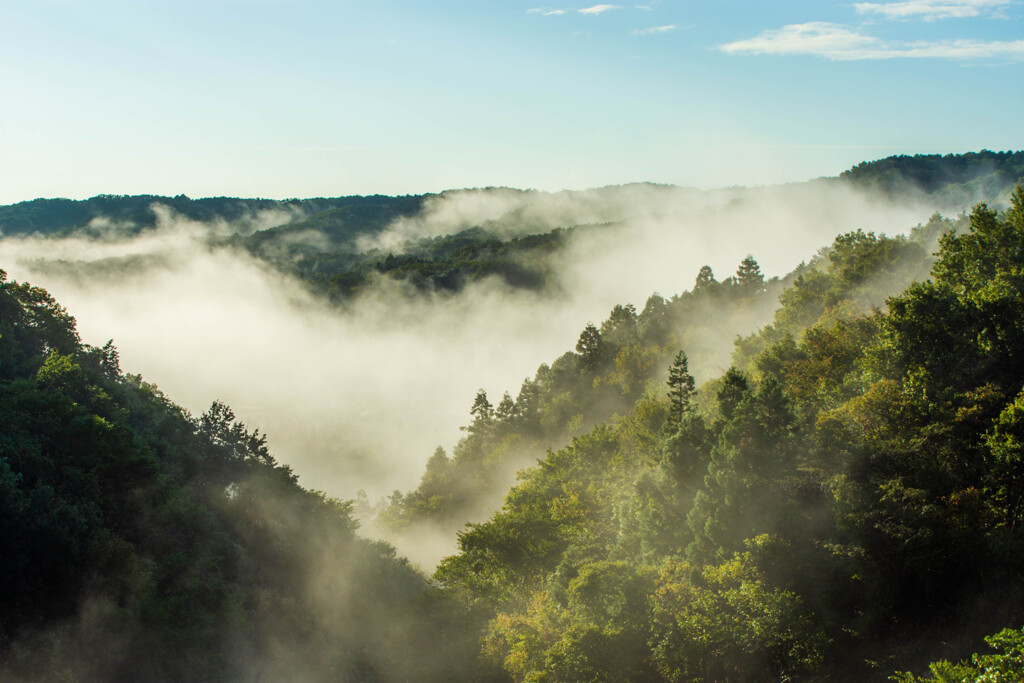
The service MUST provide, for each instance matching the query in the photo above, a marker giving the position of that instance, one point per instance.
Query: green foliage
(727, 622)
(1003, 667)
(681, 388)
(957, 179)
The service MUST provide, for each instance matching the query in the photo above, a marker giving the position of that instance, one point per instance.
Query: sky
(304, 98)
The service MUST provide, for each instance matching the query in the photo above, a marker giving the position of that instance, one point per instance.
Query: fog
(358, 397)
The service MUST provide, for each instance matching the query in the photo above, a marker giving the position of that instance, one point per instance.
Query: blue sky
(330, 97)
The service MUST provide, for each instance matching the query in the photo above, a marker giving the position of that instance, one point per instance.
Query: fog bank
(360, 397)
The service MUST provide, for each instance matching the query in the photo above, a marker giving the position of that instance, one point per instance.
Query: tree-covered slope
(626, 357)
(954, 179)
(144, 544)
(846, 507)
(105, 215)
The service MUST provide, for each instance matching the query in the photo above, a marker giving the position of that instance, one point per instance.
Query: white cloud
(966, 49)
(547, 12)
(842, 43)
(813, 38)
(930, 10)
(597, 9)
(654, 30)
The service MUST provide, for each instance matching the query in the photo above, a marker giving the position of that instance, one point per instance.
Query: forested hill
(128, 214)
(844, 503)
(953, 178)
(142, 543)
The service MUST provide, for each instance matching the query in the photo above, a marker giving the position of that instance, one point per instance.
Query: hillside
(841, 504)
(149, 544)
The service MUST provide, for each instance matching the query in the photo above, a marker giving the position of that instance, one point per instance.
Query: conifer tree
(590, 347)
(681, 388)
(749, 277)
(705, 279)
(482, 409)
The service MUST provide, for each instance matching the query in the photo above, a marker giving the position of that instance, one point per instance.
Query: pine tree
(506, 408)
(482, 409)
(705, 279)
(749, 277)
(590, 347)
(681, 388)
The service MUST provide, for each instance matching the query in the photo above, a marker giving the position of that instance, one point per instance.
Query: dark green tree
(482, 409)
(590, 346)
(681, 388)
(705, 280)
(506, 408)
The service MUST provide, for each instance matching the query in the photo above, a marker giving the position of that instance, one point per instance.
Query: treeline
(442, 264)
(142, 543)
(956, 179)
(323, 241)
(842, 504)
(129, 214)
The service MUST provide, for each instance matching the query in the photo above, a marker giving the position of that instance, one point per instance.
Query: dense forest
(844, 503)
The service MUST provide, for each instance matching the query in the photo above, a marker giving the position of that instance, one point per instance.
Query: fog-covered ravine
(358, 397)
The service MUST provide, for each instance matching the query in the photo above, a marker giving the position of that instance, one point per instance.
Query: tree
(506, 408)
(705, 280)
(734, 388)
(653, 325)
(482, 409)
(681, 388)
(590, 346)
(620, 329)
(749, 277)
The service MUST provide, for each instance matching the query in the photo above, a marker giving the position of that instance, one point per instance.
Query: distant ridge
(957, 179)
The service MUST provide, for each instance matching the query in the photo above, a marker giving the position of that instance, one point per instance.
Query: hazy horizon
(307, 99)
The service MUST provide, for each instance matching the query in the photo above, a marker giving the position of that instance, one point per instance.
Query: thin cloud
(546, 11)
(813, 38)
(654, 30)
(930, 10)
(842, 43)
(597, 9)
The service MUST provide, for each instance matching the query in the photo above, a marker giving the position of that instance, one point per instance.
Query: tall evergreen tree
(705, 279)
(590, 347)
(681, 388)
(749, 277)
